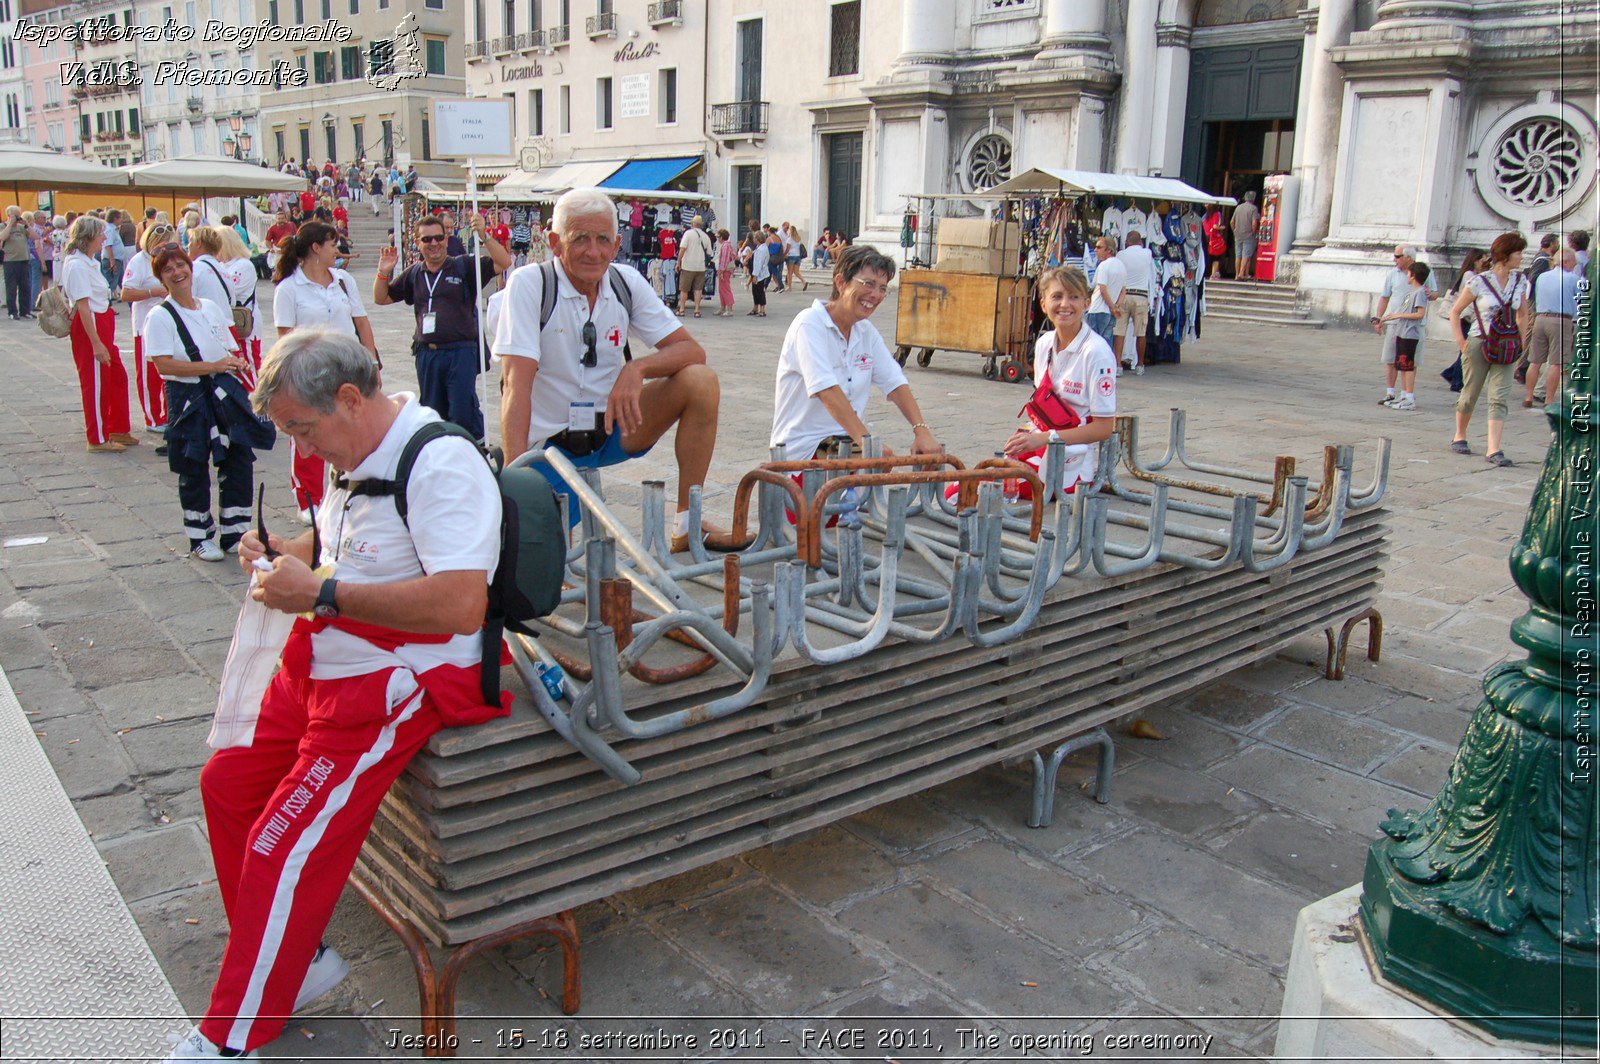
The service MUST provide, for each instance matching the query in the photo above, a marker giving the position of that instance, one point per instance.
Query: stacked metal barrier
(712, 705)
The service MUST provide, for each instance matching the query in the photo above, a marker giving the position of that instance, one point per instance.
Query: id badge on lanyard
(430, 320)
(580, 417)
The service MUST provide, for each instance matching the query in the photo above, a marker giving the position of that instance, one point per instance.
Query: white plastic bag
(258, 639)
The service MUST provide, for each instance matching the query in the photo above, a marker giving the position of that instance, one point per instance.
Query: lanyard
(433, 285)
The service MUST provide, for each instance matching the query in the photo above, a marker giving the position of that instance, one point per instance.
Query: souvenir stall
(1061, 213)
(513, 212)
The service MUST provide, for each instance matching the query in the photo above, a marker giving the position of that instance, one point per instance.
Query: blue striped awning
(649, 174)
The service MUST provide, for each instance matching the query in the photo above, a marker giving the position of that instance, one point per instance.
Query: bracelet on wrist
(919, 425)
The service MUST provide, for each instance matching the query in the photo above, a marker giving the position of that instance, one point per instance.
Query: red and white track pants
(287, 816)
(104, 388)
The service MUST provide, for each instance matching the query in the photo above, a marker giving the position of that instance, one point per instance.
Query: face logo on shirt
(358, 551)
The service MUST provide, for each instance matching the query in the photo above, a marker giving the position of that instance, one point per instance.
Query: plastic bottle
(551, 676)
(1010, 487)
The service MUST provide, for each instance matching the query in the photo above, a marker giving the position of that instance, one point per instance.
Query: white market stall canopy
(213, 175)
(1087, 182)
(550, 183)
(545, 185)
(39, 168)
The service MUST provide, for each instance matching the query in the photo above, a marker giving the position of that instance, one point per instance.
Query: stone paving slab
(1166, 913)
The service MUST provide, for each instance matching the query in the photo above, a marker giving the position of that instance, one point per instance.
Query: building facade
(1419, 121)
(15, 92)
(369, 88)
(593, 81)
(191, 115)
(98, 71)
(51, 115)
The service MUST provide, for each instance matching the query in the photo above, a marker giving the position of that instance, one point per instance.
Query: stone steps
(1261, 303)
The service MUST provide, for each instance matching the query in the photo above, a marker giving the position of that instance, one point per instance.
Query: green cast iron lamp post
(1486, 902)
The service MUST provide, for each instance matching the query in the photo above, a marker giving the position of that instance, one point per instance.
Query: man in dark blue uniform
(442, 291)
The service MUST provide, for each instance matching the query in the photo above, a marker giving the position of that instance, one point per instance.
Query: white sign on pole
(633, 96)
(467, 128)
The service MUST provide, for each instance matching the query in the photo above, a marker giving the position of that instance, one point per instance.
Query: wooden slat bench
(498, 832)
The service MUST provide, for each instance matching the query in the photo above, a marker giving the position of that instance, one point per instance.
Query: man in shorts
(572, 382)
(1555, 299)
(1245, 218)
(1395, 286)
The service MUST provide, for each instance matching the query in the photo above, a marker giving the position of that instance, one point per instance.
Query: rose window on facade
(1537, 161)
(989, 162)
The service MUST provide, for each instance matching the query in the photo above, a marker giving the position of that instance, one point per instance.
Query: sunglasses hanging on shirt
(591, 357)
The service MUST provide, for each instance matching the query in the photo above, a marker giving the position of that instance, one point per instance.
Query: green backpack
(533, 544)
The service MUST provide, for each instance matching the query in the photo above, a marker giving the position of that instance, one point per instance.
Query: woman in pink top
(725, 257)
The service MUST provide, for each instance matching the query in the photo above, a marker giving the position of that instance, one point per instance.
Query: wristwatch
(326, 608)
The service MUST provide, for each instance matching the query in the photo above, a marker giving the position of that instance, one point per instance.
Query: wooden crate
(951, 311)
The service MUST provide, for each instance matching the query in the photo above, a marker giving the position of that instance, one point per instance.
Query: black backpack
(533, 544)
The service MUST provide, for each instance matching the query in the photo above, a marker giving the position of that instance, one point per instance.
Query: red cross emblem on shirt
(1106, 385)
(615, 337)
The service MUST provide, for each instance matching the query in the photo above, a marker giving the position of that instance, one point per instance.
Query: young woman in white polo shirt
(312, 291)
(141, 288)
(102, 379)
(1080, 370)
(832, 357)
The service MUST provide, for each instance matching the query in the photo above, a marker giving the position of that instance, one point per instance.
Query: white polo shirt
(563, 378)
(138, 275)
(454, 507)
(81, 277)
(241, 275)
(301, 301)
(1114, 276)
(210, 326)
(1084, 375)
(212, 285)
(816, 356)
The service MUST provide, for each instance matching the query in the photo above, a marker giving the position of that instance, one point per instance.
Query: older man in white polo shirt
(570, 378)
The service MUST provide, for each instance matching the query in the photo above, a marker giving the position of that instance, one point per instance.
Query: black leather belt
(1135, 292)
(578, 443)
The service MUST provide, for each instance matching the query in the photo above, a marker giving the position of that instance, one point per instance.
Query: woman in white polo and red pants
(312, 291)
(141, 288)
(102, 378)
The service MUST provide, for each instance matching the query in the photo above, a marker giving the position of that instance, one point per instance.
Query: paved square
(1167, 912)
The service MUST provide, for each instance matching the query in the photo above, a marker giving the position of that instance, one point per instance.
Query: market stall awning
(24, 166)
(1088, 182)
(212, 175)
(650, 174)
(556, 180)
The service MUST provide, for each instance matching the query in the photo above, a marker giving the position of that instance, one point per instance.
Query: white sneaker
(1390, 401)
(1405, 402)
(327, 971)
(305, 517)
(195, 1046)
(1138, 371)
(208, 551)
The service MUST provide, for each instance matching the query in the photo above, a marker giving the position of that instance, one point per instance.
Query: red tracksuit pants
(152, 389)
(104, 388)
(308, 475)
(287, 816)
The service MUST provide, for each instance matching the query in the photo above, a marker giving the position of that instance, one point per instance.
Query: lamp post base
(1335, 1006)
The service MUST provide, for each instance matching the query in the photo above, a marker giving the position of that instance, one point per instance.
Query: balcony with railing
(602, 25)
(559, 36)
(746, 118)
(666, 13)
(503, 45)
(477, 50)
(531, 41)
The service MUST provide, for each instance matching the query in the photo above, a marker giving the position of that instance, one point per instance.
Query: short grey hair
(312, 364)
(1409, 251)
(582, 203)
(85, 231)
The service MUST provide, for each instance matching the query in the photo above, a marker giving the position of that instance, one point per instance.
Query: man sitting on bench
(569, 376)
(386, 650)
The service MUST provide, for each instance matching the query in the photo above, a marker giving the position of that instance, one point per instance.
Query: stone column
(1171, 99)
(1074, 25)
(1316, 134)
(1135, 119)
(927, 32)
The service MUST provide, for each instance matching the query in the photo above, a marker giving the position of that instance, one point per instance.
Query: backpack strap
(190, 348)
(378, 487)
(223, 281)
